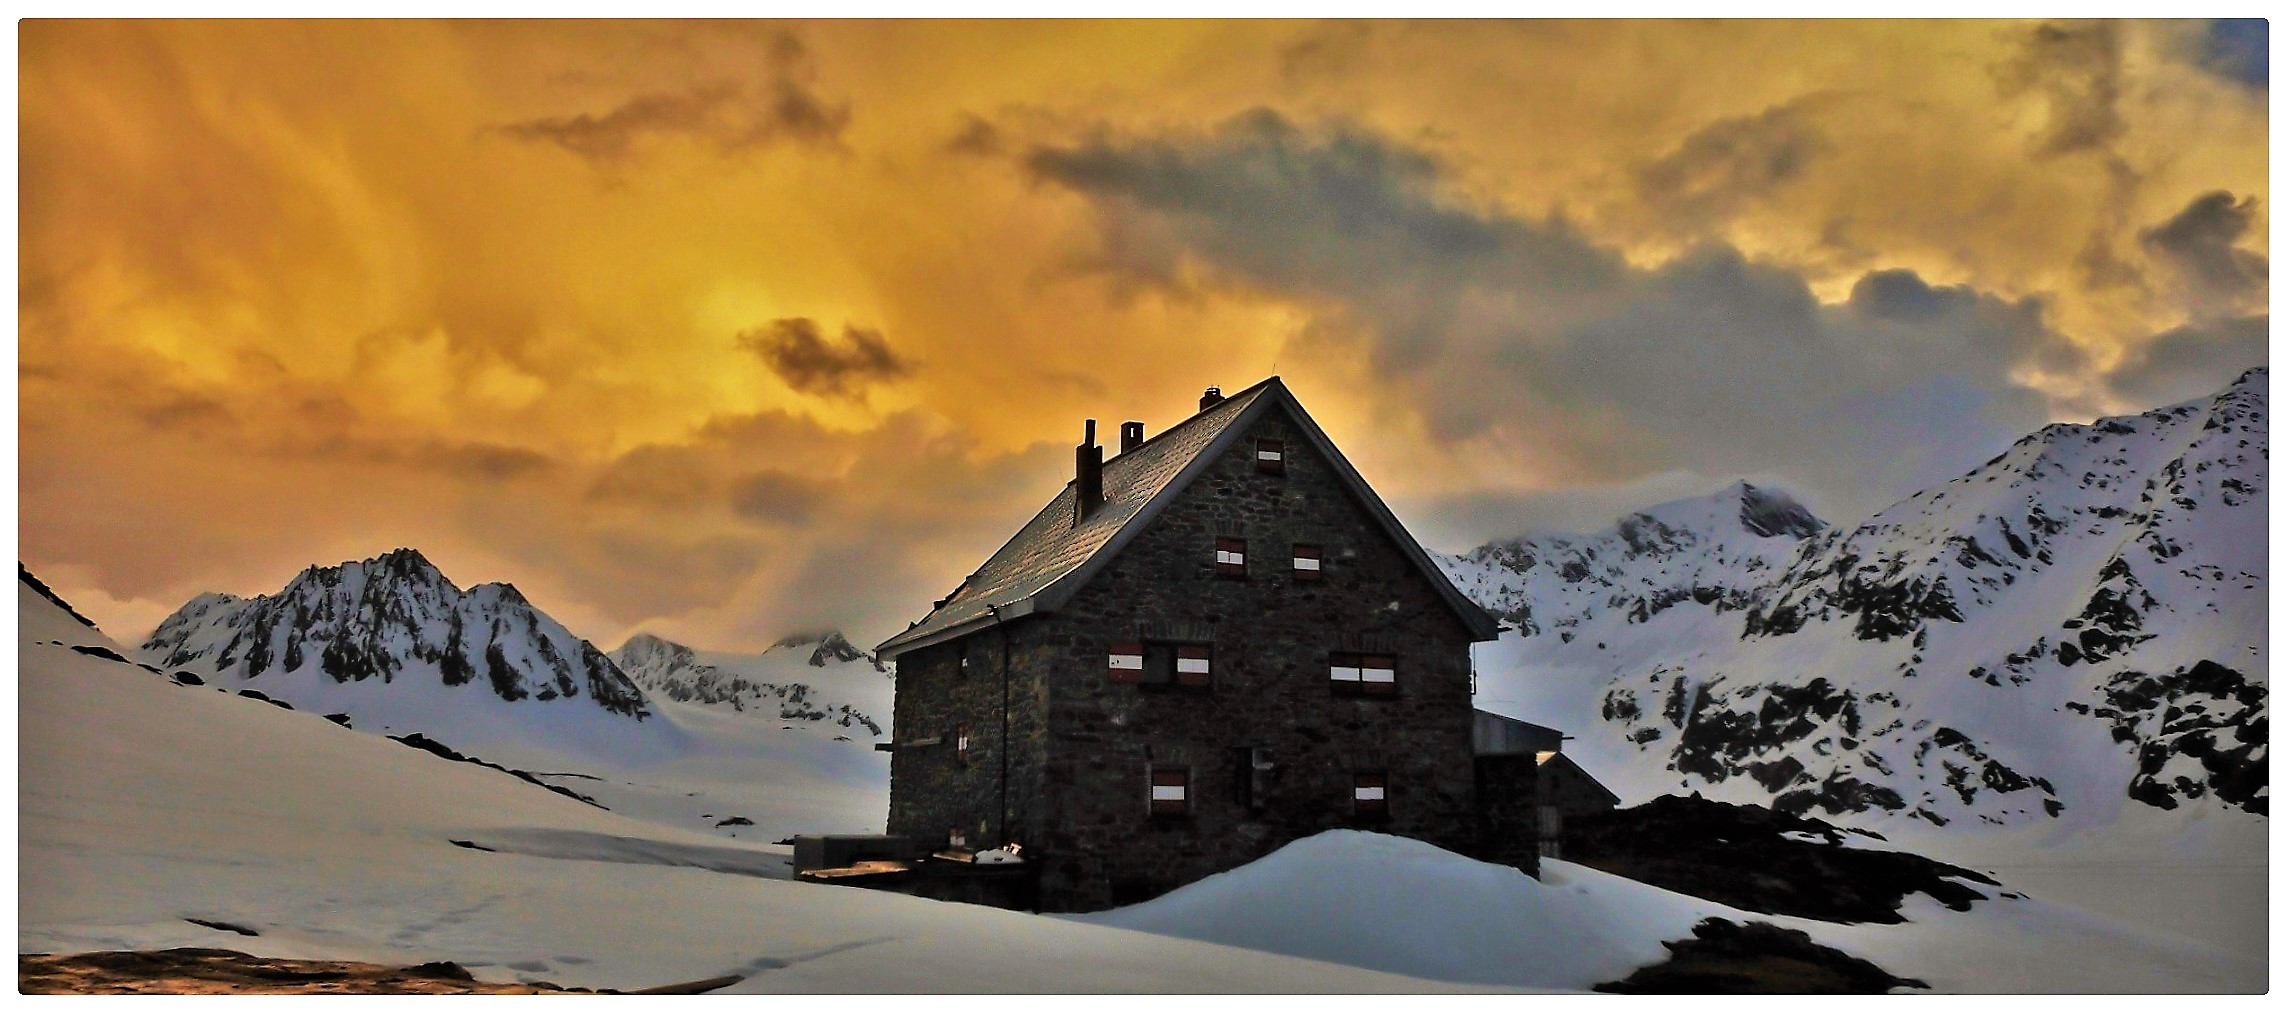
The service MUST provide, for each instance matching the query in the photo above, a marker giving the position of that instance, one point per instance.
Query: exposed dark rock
(25, 576)
(2207, 712)
(1725, 957)
(1762, 860)
(103, 652)
(439, 749)
(235, 929)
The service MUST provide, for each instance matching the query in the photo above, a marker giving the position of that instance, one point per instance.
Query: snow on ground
(141, 803)
(783, 777)
(1406, 906)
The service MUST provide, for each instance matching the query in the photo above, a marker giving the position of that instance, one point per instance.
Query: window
(1230, 557)
(1309, 562)
(1163, 665)
(956, 838)
(1270, 456)
(1170, 791)
(1127, 662)
(1369, 794)
(1254, 768)
(960, 743)
(1363, 674)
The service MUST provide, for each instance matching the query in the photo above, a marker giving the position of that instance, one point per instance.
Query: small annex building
(1215, 642)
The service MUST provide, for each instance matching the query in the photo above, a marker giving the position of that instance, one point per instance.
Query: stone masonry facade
(1269, 751)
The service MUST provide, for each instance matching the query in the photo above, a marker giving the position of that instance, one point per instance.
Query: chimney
(1212, 397)
(1087, 478)
(1130, 436)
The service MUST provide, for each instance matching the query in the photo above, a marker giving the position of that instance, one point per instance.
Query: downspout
(1004, 699)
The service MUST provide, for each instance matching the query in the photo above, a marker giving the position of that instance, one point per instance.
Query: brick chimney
(1212, 397)
(1087, 477)
(1130, 436)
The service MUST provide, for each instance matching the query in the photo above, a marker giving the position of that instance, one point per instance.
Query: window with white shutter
(1170, 790)
(1270, 456)
(1362, 674)
(1369, 794)
(1309, 562)
(1230, 557)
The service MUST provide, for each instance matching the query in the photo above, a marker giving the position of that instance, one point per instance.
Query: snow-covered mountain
(2078, 622)
(396, 645)
(1712, 550)
(817, 677)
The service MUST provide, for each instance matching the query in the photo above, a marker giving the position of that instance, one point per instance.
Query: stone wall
(1272, 636)
(1507, 798)
(931, 789)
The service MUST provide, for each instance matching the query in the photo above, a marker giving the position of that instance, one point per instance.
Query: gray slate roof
(1050, 558)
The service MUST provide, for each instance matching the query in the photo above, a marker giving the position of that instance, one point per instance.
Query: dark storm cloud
(2201, 244)
(1729, 164)
(2192, 360)
(485, 461)
(2076, 69)
(2239, 49)
(1526, 337)
(730, 115)
(777, 497)
(977, 137)
(798, 353)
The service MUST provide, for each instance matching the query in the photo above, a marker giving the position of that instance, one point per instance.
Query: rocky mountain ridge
(2080, 618)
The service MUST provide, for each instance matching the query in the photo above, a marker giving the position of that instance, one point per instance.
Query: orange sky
(727, 330)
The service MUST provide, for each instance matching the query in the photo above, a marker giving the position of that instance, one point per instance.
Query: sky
(728, 331)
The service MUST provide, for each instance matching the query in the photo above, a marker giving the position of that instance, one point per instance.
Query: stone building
(1217, 641)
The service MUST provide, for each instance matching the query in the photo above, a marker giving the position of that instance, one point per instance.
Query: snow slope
(394, 644)
(1402, 905)
(817, 678)
(142, 802)
(2078, 621)
(2054, 663)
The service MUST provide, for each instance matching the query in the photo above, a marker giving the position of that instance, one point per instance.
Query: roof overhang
(894, 646)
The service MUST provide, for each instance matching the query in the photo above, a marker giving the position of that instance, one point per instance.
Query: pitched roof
(1051, 557)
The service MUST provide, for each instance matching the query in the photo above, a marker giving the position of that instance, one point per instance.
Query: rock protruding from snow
(829, 647)
(395, 644)
(774, 683)
(2055, 629)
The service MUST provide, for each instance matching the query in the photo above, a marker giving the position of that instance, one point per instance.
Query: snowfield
(142, 803)
(1406, 906)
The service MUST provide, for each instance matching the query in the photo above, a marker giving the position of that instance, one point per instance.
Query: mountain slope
(2078, 622)
(395, 644)
(818, 678)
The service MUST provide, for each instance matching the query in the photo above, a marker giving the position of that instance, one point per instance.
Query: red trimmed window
(1270, 456)
(956, 838)
(1309, 562)
(1363, 674)
(960, 743)
(1230, 557)
(1369, 794)
(1170, 790)
(1194, 665)
(1126, 662)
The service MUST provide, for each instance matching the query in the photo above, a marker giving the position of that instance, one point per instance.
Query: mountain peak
(1772, 513)
(391, 618)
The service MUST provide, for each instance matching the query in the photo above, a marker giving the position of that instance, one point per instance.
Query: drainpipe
(996, 624)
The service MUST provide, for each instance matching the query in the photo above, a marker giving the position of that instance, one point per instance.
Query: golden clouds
(294, 292)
